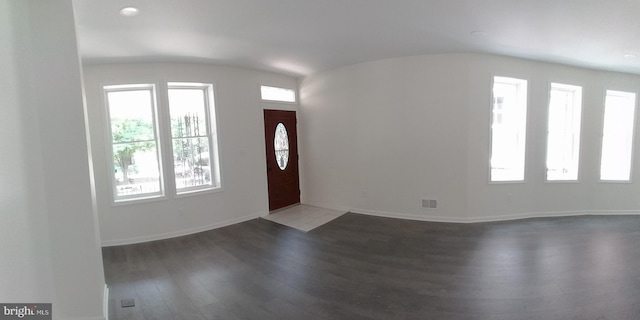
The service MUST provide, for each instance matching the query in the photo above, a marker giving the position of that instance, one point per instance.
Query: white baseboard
(407, 216)
(527, 215)
(179, 233)
(105, 303)
(505, 217)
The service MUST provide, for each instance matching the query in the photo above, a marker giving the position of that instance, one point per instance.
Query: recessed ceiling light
(478, 33)
(630, 56)
(129, 11)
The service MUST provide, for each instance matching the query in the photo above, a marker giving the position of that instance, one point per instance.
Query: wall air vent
(429, 203)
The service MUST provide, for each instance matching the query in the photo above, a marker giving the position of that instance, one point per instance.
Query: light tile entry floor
(303, 217)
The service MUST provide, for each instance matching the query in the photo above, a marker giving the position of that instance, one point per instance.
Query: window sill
(197, 192)
(138, 200)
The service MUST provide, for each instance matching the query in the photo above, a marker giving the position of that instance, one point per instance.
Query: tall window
(195, 164)
(136, 147)
(508, 129)
(134, 141)
(617, 136)
(563, 135)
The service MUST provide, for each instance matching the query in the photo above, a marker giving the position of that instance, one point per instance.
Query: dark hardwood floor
(362, 267)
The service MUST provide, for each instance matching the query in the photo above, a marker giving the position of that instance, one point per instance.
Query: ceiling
(302, 37)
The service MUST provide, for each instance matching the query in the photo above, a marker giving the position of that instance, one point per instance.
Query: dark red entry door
(281, 143)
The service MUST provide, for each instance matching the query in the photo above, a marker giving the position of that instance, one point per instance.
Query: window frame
(159, 92)
(577, 149)
(523, 98)
(619, 93)
(152, 88)
(212, 138)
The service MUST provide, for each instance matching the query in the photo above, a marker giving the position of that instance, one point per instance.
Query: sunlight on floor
(304, 217)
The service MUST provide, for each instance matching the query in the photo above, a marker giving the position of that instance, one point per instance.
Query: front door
(281, 143)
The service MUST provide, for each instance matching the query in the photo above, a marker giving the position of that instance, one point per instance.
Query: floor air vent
(127, 303)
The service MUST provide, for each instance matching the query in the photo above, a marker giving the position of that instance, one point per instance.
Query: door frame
(275, 202)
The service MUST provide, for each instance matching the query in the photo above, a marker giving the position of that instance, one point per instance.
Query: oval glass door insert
(281, 146)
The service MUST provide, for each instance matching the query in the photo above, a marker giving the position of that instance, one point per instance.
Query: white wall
(26, 272)
(242, 153)
(378, 137)
(50, 250)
